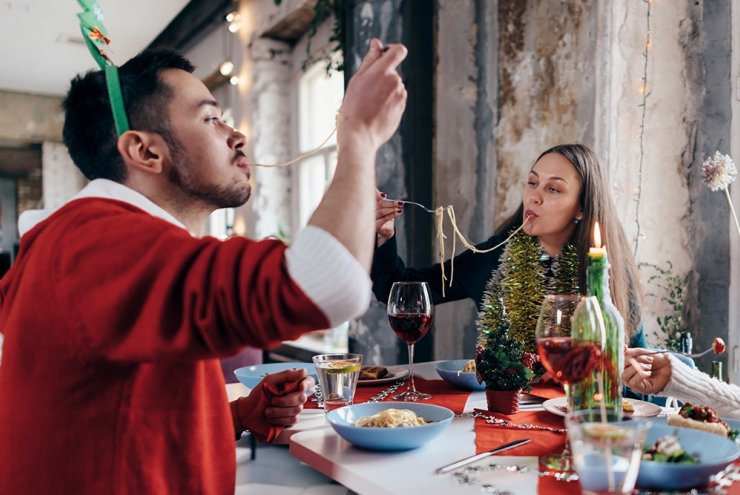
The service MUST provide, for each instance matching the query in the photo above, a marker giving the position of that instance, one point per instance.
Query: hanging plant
(323, 10)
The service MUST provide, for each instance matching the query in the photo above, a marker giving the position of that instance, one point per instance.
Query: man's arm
(372, 109)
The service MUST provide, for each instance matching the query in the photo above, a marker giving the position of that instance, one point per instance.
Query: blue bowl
(250, 376)
(389, 439)
(450, 372)
(715, 453)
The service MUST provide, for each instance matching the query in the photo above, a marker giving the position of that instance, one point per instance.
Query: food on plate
(668, 449)
(469, 367)
(718, 346)
(701, 418)
(627, 406)
(373, 372)
(392, 418)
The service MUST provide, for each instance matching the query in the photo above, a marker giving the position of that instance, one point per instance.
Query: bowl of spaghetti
(389, 426)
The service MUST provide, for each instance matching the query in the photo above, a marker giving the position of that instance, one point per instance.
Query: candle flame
(597, 235)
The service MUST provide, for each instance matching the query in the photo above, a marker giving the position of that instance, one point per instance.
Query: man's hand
(276, 402)
(284, 411)
(646, 374)
(375, 98)
(385, 213)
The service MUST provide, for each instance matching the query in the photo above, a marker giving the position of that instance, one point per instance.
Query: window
(319, 98)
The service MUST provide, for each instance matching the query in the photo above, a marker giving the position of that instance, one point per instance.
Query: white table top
(315, 443)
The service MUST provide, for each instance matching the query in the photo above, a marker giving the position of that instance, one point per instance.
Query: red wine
(568, 360)
(410, 327)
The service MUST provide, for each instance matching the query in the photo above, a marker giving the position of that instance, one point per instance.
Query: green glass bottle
(586, 394)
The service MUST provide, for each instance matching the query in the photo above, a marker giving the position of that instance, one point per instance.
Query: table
(402, 473)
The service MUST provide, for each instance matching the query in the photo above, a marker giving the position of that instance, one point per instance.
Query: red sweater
(113, 321)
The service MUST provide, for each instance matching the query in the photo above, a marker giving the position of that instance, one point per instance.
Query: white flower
(718, 171)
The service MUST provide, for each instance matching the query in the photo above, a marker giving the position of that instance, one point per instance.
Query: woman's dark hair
(89, 132)
(597, 206)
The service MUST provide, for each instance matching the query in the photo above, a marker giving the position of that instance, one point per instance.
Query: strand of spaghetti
(299, 157)
(451, 214)
(441, 237)
(439, 212)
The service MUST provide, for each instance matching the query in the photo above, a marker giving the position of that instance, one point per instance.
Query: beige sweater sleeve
(691, 385)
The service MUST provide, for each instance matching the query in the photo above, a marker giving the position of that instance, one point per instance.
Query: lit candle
(598, 251)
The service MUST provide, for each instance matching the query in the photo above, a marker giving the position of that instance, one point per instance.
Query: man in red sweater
(116, 311)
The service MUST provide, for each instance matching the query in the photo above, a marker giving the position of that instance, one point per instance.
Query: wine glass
(410, 315)
(567, 357)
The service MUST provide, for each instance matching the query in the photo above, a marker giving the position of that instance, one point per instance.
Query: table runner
(443, 394)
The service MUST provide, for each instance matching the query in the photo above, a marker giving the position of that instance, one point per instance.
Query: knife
(483, 455)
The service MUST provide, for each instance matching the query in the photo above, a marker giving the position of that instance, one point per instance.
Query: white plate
(394, 373)
(642, 409)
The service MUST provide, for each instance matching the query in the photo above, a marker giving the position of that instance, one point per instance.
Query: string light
(234, 20)
(644, 92)
(226, 68)
(234, 80)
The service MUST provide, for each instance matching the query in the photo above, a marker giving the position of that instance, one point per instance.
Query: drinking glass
(337, 374)
(410, 315)
(567, 359)
(606, 450)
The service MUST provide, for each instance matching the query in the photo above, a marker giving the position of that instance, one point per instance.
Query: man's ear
(145, 151)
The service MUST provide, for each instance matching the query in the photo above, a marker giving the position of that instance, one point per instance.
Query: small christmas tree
(503, 364)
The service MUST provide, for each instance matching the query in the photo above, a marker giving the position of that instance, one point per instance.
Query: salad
(668, 449)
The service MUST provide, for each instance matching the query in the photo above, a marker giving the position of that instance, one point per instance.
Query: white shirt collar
(108, 189)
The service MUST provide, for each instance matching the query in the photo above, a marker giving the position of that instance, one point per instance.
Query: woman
(565, 194)
(666, 375)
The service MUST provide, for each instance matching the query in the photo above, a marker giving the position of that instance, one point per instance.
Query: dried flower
(718, 171)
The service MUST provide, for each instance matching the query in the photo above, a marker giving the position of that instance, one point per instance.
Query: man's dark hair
(89, 131)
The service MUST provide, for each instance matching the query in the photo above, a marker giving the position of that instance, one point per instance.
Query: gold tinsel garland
(515, 293)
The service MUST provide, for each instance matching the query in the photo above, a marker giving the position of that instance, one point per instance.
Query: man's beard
(217, 196)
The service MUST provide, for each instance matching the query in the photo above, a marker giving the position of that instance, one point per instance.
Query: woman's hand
(385, 213)
(646, 374)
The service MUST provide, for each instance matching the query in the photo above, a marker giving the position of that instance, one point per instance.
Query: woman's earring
(578, 221)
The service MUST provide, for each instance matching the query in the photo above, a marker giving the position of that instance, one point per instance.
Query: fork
(718, 347)
(410, 203)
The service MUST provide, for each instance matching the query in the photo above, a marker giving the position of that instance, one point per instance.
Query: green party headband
(96, 38)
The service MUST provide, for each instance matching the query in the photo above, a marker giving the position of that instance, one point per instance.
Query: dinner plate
(250, 376)
(642, 409)
(394, 373)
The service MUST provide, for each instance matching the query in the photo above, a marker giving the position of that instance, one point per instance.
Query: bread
(469, 367)
(702, 418)
(716, 428)
(627, 406)
(373, 372)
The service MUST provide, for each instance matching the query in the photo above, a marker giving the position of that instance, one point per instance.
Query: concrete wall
(26, 118)
(61, 179)
(465, 154)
